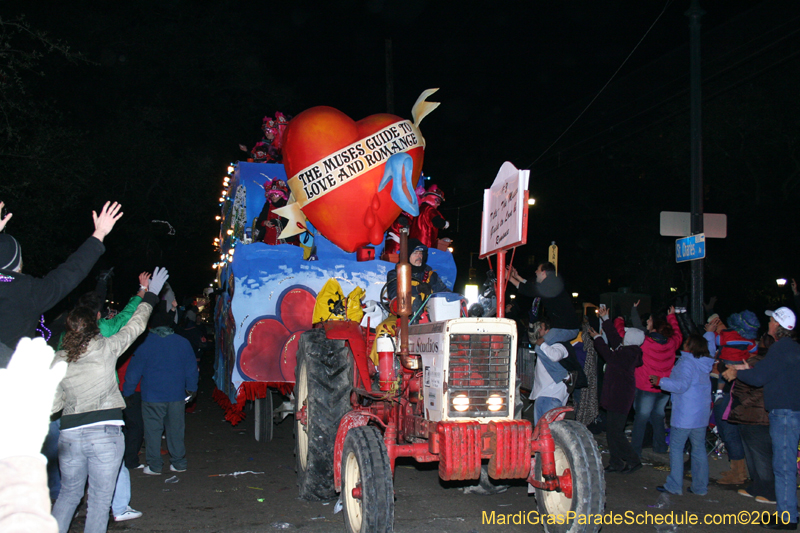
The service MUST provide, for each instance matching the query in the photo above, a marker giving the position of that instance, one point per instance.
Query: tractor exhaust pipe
(403, 292)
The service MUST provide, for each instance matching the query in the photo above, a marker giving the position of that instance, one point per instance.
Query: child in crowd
(690, 386)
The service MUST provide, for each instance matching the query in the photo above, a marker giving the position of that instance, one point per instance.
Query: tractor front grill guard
(479, 375)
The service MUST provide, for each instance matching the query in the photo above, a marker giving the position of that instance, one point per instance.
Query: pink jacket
(658, 359)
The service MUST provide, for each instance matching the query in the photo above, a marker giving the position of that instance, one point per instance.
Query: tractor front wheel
(367, 485)
(576, 451)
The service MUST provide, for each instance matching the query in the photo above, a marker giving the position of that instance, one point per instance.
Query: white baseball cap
(783, 316)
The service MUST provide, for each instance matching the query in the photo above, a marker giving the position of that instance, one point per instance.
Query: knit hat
(414, 245)
(633, 337)
(10, 252)
(745, 324)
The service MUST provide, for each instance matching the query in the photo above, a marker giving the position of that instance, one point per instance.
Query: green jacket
(113, 325)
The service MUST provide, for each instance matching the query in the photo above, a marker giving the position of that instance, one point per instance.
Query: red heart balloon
(355, 213)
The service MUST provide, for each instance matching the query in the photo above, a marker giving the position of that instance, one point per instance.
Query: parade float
(332, 226)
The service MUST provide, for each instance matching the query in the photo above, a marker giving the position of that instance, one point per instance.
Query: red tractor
(441, 391)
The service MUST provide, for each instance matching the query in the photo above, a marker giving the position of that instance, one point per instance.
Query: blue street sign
(690, 248)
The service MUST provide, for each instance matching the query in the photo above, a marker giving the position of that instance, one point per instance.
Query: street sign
(552, 255)
(690, 248)
(678, 224)
(505, 211)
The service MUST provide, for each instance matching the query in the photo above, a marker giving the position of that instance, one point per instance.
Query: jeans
(677, 442)
(50, 451)
(95, 453)
(784, 428)
(649, 407)
(542, 404)
(122, 492)
(757, 446)
(134, 429)
(619, 448)
(164, 417)
(729, 433)
(554, 335)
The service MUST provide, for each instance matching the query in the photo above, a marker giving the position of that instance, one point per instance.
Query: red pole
(500, 284)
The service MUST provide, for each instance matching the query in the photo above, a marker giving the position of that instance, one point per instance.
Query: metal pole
(500, 284)
(696, 165)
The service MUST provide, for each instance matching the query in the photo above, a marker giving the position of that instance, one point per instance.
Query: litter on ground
(235, 474)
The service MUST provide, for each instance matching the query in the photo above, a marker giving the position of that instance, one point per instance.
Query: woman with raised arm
(91, 442)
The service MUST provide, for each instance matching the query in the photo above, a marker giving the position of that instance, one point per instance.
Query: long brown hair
(660, 325)
(81, 328)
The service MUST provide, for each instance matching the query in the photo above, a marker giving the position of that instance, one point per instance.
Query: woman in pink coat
(662, 340)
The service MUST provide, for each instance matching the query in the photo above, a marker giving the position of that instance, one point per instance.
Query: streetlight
(781, 282)
(531, 201)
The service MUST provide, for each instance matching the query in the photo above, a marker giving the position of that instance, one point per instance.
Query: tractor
(440, 391)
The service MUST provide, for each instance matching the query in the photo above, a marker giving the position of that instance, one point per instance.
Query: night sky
(168, 90)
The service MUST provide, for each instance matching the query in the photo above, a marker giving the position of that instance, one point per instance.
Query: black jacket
(24, 298)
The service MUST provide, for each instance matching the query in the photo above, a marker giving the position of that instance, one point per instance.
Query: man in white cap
(779, 374)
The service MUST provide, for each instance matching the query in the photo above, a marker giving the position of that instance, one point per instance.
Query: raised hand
(104, 222)
(5, 219)
(144, 280)
(29, 373)
(160, 276)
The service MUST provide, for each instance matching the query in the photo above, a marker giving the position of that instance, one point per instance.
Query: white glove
(446, 224)
(29, 377)
(160, 276)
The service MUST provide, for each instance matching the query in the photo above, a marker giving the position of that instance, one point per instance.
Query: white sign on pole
(504, 210)
(679, 224)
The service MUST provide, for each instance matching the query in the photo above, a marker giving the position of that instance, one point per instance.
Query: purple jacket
(619, 383)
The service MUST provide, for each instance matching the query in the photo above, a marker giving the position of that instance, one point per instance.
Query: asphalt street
(211, 497)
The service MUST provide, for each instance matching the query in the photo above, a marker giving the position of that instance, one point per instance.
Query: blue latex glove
(160, 276)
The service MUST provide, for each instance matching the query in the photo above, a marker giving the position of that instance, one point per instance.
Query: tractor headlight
(494, 402)
(460, 402)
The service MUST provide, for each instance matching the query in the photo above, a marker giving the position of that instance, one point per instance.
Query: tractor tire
(365, 467)
(577, 450)
(263, 417)
(324, 378)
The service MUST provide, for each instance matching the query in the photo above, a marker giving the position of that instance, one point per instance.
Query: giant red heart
(354, 214)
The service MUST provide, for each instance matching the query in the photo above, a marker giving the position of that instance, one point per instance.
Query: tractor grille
(479, 376)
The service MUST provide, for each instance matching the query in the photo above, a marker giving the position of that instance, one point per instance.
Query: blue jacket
(166, 367)
(779, 374)
(690, 386)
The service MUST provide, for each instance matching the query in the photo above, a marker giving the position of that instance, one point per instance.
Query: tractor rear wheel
(367, 485)
(576, 450)
(324, 378)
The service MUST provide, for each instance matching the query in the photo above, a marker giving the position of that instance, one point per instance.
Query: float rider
(425, 228)
(424, 280)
